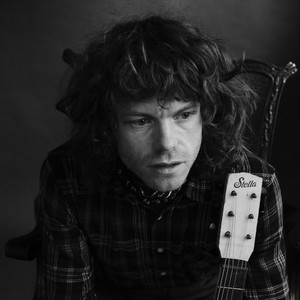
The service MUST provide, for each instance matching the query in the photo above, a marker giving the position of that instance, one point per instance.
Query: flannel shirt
(95, 237)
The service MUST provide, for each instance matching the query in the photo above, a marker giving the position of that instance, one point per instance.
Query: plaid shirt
(93, 237)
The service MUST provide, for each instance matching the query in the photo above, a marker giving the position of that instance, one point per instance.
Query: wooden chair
(268, 81)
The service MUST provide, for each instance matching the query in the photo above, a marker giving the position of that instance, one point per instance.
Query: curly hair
(166, 58)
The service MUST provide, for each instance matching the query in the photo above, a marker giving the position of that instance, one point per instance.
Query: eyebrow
(190, 105)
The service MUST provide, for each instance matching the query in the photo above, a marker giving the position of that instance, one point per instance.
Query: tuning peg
(228, 234)
(251, 216)
(233, 193)
(231, 214)
(248, 237)
(253, 196)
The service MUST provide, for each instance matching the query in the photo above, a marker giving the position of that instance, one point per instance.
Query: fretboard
(232, 279)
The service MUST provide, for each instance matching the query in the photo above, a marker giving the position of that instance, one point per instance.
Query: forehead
(153, 106)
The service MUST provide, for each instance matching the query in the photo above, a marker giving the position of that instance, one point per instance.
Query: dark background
(33, 34)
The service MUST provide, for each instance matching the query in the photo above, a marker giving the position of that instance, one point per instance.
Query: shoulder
(72, 162)
(64, 150)
(256, 166)
(62, 161)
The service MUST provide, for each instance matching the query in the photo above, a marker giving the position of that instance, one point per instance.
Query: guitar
(237, 233)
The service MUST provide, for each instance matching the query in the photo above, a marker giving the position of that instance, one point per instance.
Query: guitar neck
(232, 279)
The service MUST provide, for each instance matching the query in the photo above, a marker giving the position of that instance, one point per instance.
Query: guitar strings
(230, 291)
(231, 264)
(225, 270)
(227, 261)
(239, 262)
(221, 284)
(242, 248)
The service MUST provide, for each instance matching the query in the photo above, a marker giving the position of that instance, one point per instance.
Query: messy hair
(164, 58)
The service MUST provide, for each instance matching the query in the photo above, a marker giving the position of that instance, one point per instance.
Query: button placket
(160, 253)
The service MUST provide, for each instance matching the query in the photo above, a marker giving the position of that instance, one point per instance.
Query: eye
(185, 115)
(139, 122)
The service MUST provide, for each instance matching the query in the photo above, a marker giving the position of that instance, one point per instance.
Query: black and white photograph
(149, 150)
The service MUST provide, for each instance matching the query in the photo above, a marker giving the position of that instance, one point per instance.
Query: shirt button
(163, 273)
(212, 226)
(160, 250)
(159, 218)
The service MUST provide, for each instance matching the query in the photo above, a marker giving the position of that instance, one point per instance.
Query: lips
(166, 169)
(166, 165)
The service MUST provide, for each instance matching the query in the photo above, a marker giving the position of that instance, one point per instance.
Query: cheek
(130, 147)
(195, 147)
(193, 138)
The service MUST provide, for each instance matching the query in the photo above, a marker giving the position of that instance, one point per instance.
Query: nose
(165, 137)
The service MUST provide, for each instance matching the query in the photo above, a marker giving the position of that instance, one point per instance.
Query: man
(131, 204)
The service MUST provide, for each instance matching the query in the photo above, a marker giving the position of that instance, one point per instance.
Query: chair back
(268, 81)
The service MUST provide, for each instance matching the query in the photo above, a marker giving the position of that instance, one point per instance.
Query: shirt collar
(202, 179)
(198, 184)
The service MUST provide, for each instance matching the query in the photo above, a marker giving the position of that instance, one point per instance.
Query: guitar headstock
(240, 215)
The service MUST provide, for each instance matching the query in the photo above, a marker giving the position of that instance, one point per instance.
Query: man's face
(159, 144)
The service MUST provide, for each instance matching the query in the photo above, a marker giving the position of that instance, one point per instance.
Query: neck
(134, 185)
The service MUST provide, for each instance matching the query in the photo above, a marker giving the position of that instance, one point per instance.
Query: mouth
(166, 165)
(165, 168)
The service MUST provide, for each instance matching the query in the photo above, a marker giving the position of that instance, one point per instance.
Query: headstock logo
(243, 184)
